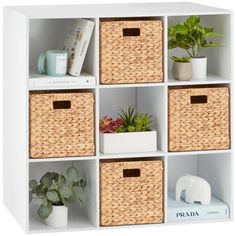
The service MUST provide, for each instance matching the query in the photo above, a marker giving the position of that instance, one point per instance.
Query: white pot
(128, 142)
(58, 217)
(199, 67)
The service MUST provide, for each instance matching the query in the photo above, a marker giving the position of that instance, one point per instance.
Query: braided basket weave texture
(136, 198)
(61, 124)
(131, 51)
(198, 119)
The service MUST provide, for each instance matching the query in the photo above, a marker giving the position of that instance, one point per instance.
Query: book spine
(198, 214)
(81, 50)
(57, 82)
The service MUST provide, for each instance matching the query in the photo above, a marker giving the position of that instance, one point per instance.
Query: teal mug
(53, 63)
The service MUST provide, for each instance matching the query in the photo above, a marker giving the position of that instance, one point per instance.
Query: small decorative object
(182, 68)
(56, 193)
(53, 63)
(192, 37)
(196, 189)
(130, 132)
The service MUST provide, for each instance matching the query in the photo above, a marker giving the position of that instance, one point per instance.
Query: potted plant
(182, 68)
(193, 37)
(56, 192)
(131, 131)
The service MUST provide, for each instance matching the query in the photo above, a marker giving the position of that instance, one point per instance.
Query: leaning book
(76, 43)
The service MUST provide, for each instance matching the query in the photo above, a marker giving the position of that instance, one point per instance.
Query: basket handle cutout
(62, 104)
(198, 99)
(131, 173)
(131, 32)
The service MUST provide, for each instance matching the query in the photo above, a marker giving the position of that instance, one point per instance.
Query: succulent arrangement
(56, 189)
(127, 121)
(191, 36)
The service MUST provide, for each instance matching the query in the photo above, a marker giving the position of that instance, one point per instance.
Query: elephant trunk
(178, 194)
(179, 188)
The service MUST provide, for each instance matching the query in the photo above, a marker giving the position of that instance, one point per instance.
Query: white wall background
(8, 226)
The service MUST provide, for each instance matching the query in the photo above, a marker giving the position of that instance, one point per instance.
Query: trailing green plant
(181, 59)
(134, 121)
(56, 189)
(191, 36)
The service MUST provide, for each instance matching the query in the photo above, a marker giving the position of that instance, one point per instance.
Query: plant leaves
(52, 196)
(207, 45)
(80, 184)
(213, 34)
(192, 21)
(45, 201)
(33, 184)
(72, 174)
(41, 190)
(181, 59)
(65, 202)
(54, 176)
(46, 180)
(191, 35)
(61, 181)
(131, 128)
(44, 211)
(172, 43)
(179, 29)
(66, 192)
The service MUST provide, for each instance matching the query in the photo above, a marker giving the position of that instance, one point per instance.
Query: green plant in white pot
(182, 68)
(56, 193)
(193, 37)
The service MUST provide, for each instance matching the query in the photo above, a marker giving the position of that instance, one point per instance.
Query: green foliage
(56, 189)
(191, 36)
(181, 59)
(134, 121)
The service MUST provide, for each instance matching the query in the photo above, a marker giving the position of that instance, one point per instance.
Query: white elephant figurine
(196, 189)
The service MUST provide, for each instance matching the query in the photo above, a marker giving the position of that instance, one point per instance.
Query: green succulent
(56, 189)
(134, 121)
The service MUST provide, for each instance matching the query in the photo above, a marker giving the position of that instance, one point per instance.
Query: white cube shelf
(40, 28)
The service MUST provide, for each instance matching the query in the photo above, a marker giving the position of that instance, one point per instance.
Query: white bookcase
(28, 31)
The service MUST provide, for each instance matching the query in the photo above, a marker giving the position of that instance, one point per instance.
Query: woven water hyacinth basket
(61, 124)
(131, 192)
(131, 51)
(199, 119)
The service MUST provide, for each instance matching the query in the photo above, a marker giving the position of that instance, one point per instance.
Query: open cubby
(41, 28)
(80, 215)
(215, 168)
(218, 71)
(50, 34)
(113, 99)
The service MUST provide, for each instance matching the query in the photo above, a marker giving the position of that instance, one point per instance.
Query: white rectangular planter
(128, 142)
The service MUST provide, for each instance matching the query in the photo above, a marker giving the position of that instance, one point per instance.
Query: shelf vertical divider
(97, 109)
(165, 189)
(165, 48)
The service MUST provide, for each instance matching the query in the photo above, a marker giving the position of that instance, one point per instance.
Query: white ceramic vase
(199, 68)
(58, 217)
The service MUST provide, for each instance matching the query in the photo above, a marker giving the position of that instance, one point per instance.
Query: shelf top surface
(117, 10)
